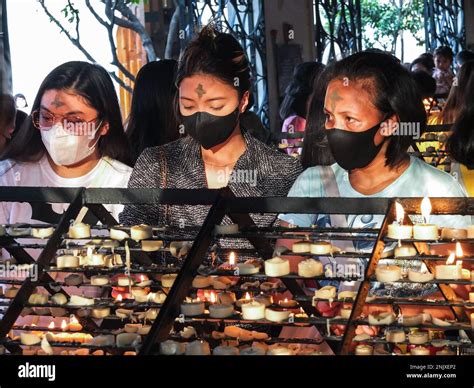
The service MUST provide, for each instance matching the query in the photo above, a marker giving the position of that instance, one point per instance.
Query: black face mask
(353, 149)
(210, 130)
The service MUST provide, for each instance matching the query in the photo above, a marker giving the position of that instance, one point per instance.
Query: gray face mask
(353, 150)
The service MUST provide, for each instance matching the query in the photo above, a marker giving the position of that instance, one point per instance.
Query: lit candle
(74, 324)
(253, 311)
(449, 271)
(425, 231)
(397, 230)
(246, 299)
(119, 298)
(192, 307)
(288, 303)
(63, 325)
(220, 310)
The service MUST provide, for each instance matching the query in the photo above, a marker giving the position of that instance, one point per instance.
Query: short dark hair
(464, 56)
(217, 54)
(424, 60)
(444, 51)
(93, 83)
(394, 92)
(299, 90)
(425, 82)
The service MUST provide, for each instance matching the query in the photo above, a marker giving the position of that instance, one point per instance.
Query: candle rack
(222, 203)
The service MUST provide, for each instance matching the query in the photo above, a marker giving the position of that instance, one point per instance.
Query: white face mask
(66, 149)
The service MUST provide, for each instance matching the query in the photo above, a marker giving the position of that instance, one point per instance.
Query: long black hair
(152, 120)
(93, 83)
(393, 91)
(316, 150)
(299, 90)
(460, 144)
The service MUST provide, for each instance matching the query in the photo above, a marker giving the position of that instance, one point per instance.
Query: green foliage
(388, 19)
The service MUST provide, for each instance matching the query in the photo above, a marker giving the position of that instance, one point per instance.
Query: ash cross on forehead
(57, 102)
(334, 97)
(200, 90)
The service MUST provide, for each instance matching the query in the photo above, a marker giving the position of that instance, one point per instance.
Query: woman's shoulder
(435, 180)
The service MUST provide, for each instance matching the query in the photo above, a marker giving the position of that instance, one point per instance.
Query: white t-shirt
(107, 173)
(418, 180)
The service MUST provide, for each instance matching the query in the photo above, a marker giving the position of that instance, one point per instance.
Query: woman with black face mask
(373, 111)
(213, 81)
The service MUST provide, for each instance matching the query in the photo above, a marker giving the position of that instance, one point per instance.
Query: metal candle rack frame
(221, 202)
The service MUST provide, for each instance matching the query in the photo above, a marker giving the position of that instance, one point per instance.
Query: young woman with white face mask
(74, 138)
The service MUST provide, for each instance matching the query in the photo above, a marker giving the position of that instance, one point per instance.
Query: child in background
(443, 57)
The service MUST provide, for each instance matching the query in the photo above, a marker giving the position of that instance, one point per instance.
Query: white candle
(277, 267)
(151, 245)
(388, 273)
(276, 315)
(420, 351)
(395, 336)
(141, 232)
(326, 292)
(418, 337)
(420, 276)
(425, 231)
(192, 308)
(310, 268)
(449, 271)
(79, 230)
(42, 232)
(247, 268)
(67, 261)
(397, 230)
(364, 350)
(220, 310)
(253, 311)
(385, 318)
(405, 250)
(118, 234)
(321, 248)
(301, 247)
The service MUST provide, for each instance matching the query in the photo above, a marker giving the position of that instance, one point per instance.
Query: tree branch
(76, 42)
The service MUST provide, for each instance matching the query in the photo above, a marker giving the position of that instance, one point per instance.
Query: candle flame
(232, 258)
(51, 325)
(450, 259)
(63, 325)
(74, 319)
(142, 278)
(247, 296)
(459, 252)
(89, 252)
(426, 209)
(286, 300)
(119, 298)
(400, 212)
(213, 298)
